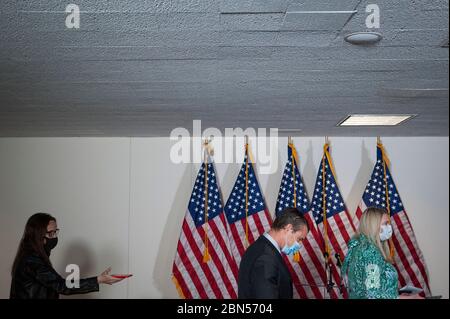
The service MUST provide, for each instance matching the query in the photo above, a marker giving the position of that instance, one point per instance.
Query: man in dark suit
(263, 273)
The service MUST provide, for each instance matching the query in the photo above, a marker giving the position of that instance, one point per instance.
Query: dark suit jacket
(263, 273)
(35, 279)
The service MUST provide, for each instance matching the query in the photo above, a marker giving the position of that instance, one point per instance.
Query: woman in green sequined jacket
(368, 264)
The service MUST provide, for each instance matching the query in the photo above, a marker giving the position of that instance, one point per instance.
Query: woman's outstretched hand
(106, 278)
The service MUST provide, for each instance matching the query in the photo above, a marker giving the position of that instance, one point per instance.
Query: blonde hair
(369, 226)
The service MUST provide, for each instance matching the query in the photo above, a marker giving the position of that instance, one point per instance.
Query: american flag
(408, 258)
(246, 210)
(308, 273)
(202, 236)
(337, 227)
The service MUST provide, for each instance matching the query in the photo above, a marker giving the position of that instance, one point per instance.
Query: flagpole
(327, 253)
(324, 202)
(206, 256)
(246, 191)
(291, 145)
(296, 256)
(388, 204)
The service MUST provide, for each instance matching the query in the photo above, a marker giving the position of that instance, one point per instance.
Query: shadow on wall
(162, 275)
(231, 174)
(309, 172)
(364, 173)
(78, 253)
(273, 186)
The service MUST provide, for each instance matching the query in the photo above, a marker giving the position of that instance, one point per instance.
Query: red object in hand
(121, 276)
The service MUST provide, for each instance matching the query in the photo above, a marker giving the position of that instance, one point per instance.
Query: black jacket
(35, 279)
(263, 273)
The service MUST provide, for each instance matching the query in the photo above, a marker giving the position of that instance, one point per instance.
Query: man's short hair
(290, 215)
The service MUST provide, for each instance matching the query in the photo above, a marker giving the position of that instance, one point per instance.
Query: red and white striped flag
(381, 192)
(204, 266)
(307, 268)
(246, 210)
(332, 218)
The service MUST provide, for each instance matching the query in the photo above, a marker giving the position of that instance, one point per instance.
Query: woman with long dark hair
(33, 276)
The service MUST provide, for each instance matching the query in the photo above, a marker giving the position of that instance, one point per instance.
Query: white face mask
(385, 232)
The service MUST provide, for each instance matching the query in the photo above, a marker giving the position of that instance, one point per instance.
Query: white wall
(120, 201)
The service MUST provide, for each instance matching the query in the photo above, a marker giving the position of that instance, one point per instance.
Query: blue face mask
(292, 249)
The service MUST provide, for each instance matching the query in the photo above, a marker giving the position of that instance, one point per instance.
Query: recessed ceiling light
(363, 38)
(375, 119)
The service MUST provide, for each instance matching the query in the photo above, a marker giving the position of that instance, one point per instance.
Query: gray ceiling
(142, 68)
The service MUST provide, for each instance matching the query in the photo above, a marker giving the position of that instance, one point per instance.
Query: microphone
(338, 260)
(325, 256)
(330, 282)
(339, 265)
